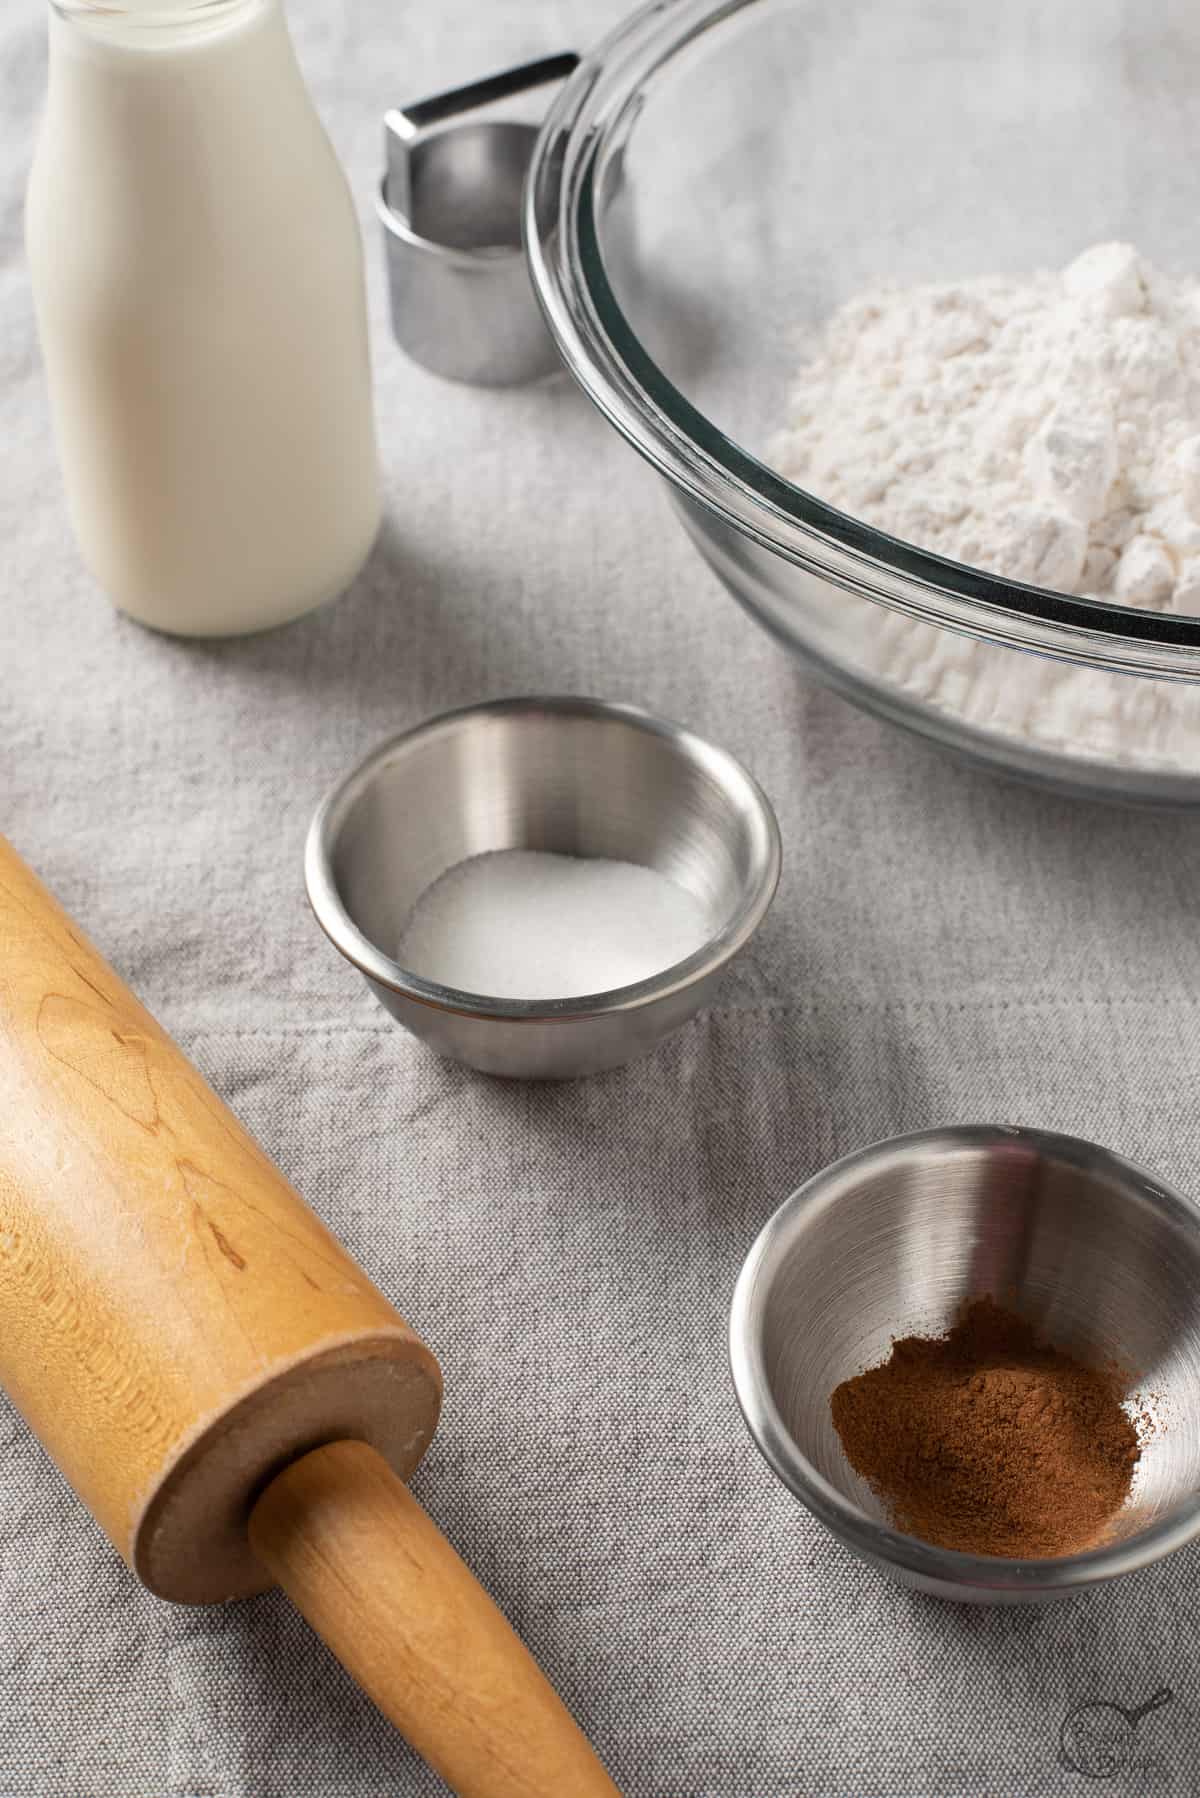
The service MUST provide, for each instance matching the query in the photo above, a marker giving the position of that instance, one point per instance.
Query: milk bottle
(197, 273)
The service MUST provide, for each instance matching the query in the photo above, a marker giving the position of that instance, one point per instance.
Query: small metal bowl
(571, 776)
(1101, 1258)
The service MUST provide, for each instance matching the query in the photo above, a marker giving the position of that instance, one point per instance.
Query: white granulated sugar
(520, 924)
(1046, 428)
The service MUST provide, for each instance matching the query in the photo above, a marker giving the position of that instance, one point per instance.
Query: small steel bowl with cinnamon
(1098, 1258)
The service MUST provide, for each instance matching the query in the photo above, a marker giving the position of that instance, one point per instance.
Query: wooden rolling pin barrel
(219, 1381)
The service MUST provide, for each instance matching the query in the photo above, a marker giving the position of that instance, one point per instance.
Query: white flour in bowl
(1046, 428)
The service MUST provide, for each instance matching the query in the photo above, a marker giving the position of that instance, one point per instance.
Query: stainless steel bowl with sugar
(1101, 1257)
(568, 776)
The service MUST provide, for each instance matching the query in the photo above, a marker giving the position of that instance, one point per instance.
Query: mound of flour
(1046, 428)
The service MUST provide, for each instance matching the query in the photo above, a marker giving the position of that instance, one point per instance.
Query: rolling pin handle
(376, 1579)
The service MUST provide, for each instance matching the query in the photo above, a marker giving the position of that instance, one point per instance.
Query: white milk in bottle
(197, 272)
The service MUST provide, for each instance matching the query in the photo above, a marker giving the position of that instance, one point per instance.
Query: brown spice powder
(990, 1441)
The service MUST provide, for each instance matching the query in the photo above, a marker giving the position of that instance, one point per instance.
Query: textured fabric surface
(944, 948)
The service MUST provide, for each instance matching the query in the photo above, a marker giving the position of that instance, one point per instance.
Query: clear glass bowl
(718, 177)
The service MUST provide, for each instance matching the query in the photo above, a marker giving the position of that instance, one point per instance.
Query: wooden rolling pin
(219, 1381)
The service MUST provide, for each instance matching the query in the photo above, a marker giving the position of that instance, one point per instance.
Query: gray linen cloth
(944, 948)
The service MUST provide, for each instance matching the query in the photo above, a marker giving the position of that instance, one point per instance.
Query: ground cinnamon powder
(989, 1440)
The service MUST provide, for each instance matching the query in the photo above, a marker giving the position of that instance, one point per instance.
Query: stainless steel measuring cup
(450, 206)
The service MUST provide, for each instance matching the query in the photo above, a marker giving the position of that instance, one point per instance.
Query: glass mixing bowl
(720, 175)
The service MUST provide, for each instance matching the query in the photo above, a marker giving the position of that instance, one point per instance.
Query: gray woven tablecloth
(944, 948)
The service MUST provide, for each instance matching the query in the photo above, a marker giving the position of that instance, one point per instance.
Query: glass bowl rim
(584, 132)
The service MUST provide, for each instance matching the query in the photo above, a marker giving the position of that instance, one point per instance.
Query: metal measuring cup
(450, 206)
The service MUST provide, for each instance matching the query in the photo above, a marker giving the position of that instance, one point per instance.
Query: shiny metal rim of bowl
(580, 147)
(370, 960)
(940, 1567)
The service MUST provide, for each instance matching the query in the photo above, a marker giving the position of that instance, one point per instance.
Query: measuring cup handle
(483, 93)
(403, 125)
